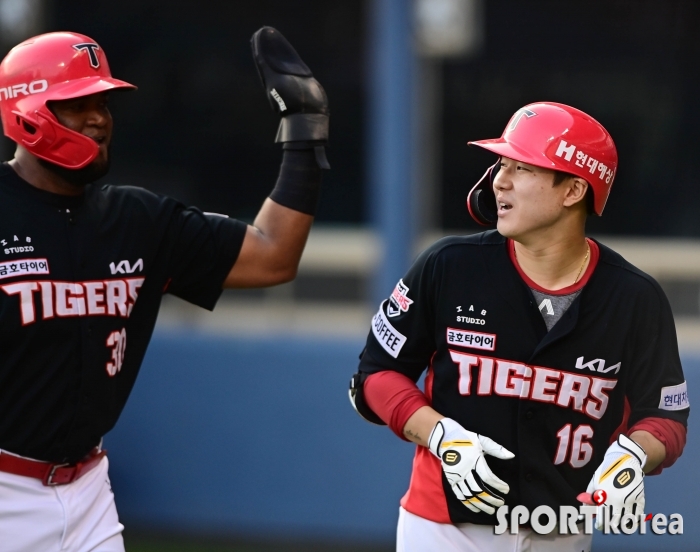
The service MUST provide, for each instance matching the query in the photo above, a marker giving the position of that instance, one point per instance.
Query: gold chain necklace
(588, 252)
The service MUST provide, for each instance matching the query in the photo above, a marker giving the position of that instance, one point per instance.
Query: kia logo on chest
(124, 267)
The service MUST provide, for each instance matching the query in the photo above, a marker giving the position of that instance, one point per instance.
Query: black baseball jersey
(81, 281)
(554, 398)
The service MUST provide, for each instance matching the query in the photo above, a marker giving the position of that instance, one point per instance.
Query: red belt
(50, 474)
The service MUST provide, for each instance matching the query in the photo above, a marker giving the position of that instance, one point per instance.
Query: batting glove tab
(461, 453)
(291, 88)
(621, 478)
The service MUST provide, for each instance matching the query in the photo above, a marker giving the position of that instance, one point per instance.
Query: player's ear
(575, 191)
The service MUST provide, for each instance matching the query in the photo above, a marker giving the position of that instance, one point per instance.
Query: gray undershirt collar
(552, 307)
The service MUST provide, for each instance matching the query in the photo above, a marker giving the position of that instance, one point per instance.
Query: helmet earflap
(48, 139)
(481, 201)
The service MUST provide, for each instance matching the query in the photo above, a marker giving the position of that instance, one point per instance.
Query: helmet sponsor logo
(399, 301)
(24, 89)
(91, 48)
(601, 171)
(519, 115)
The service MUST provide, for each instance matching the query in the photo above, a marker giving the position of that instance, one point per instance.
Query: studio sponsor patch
(399, 301)
(674, 397)
(473, 340)
(23, 267)
(389, 337)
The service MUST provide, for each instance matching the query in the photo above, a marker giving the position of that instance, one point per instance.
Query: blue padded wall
(256, 437)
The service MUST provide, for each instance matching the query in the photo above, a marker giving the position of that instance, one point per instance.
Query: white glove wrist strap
(627, 443)
(436, 436)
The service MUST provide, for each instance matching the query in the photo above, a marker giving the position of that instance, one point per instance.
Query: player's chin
(94, 171)
(81, 177)
(507, 227)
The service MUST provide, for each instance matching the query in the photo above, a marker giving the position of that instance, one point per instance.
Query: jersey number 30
(117, 341)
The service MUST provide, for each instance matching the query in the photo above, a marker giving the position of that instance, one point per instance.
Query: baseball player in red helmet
(83, 268)
(553, 373)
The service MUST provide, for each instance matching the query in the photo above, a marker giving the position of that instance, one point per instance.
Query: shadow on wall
(255, 436)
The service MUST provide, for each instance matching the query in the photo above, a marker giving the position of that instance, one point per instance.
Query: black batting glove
(292, 91)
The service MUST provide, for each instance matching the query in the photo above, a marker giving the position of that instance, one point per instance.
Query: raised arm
(274, 243)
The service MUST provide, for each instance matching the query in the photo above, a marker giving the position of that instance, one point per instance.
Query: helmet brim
(85, 87)
(71, 89)
(502, 148)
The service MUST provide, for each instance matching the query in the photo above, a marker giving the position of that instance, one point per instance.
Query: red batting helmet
(553, 136)
(53, 66)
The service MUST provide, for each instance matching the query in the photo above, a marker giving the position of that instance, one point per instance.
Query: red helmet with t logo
(53, 66)
(553, 136)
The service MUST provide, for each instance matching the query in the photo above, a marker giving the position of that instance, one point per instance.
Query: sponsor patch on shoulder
(473, 340)
(674, 397)
(399, 301)
(22, 267)
(389, 337)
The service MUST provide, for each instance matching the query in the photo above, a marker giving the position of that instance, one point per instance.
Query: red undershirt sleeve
(394, 398)
(670, 432)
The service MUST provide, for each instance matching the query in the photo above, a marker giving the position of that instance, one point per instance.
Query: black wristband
(299, 183)
(319, 147)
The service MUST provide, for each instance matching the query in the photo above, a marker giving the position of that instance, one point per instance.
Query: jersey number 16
(575, 445)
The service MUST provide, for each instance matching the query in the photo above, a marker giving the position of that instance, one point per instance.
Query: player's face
(90, 116)
(526, 200)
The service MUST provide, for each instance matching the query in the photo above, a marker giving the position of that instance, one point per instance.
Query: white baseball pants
(417, 534)
(77, 517)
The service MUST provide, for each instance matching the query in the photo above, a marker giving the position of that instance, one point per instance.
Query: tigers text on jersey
(554, 398)
(81, 280)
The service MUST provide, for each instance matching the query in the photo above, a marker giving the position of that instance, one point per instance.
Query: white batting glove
(621, 478)
(461, 453)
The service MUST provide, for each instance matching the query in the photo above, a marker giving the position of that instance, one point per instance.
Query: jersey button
(529, 415)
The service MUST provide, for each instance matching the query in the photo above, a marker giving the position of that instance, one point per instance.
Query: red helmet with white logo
(553, 136)
(53, 66)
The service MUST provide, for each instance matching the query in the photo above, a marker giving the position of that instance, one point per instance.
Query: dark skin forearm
(272, 248)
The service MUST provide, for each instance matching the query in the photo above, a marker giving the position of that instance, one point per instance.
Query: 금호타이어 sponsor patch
(389, 337)
(674, 397)
(10, 269)
(473, 340)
